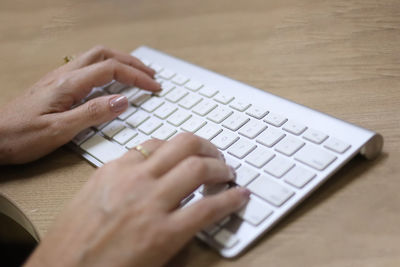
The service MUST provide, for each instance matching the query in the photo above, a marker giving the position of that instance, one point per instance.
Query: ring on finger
(142, 151)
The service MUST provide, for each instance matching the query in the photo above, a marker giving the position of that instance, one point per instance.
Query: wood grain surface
(341, 57)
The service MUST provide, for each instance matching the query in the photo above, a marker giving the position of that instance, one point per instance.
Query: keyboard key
(101, 126)
(235, 121)
(190, 100)
(164, 132)
(145, 61)
(180, 79)
(289, 145)
(232, 162)
(115, 87)
(294, 127)
(336, 145)
(152, 104)
(179, 117)
(125, 135)
(157, 68)
(226, 238)
(193, 85)
(223, 98)
(137, 140)
(150, 126)
(112, 128)
(270, 136)
(176, 94)
(82, 136)
(219, 114)
(255, 211)
(159, 80)
(129, 92)
(211, 229)
(315, 157)
(275, 119)
(259, 157)
(193, 124)
(166, 74)
(315, 136)
(102, 149)
(140, 98)
(204, 107)
(165, 110)
(241, 148)
(257, 112)
(270, 190)
(209, 131)
(208, 91)
(244, 175)
(224, 139)
(239, 105)
(298, 177)
(129, 111)
(252, 128)
(166, 88)
(278, 166)
(137, 118)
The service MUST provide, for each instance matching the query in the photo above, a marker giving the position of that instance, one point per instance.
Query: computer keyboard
(281, 151)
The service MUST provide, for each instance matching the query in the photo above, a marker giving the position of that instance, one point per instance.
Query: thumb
(96, 111)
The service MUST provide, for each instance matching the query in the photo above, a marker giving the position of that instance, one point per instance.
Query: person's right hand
(128, 213)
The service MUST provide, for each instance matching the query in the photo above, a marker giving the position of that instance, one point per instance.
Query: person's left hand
(43, 119)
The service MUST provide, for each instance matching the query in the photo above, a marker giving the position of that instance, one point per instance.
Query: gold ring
(68, 59)
(142, 151)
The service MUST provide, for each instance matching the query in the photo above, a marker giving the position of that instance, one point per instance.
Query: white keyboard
(281, 151)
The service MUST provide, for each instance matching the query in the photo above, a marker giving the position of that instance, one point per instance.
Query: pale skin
(127, 214)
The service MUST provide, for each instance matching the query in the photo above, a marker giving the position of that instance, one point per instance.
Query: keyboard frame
(363, 141)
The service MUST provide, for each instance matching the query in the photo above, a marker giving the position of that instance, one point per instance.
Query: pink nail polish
(118, 104)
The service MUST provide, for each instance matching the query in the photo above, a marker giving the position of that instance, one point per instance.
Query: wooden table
(341, 57)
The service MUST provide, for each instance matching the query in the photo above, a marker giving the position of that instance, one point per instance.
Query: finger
(189, 174)
(94, 112)
(209, 210)
(135, 156)
(100, 53)
(80, 82)
(179, 148)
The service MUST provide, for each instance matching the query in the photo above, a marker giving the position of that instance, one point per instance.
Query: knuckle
(111, 63)
(63, 82)
(99, 49)
(93, 110)
(152, 142)
(196, 165)
(56, 128)
(190, 140)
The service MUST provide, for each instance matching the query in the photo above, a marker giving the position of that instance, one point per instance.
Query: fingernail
(232, 175)
(222, 156)
(159, 86)
(245, 193)
(118, 103)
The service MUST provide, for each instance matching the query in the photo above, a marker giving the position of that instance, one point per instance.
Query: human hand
(41, 119)
(127, 214)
